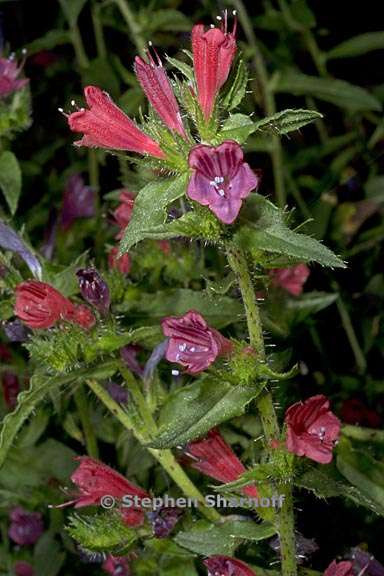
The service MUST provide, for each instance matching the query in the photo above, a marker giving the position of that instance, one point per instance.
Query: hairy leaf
(287, 121)
(10, 179)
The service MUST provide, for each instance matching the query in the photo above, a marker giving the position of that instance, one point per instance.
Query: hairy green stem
(86, 424)
(98, 32)
(164, 457)
(268, 100)
(285, 517)
(134, 28)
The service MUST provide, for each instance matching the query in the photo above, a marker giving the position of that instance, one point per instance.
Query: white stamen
(61, 110)
(234, 12)
(73, 103)
(24, 51)
(212, 25)
(150, 43)
(182, 347)
(221, 192)
(193, 349)
(175, 372)
(219, 18)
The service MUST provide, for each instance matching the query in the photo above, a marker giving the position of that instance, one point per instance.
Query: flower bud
(94, 290)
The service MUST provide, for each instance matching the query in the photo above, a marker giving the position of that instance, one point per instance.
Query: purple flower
(94, 290)
(118, 393)
(26, 527)
(164, 520)
(365, 563)
(15, 330)
(221, 179)
(9, 72)
(23, 569)
(10, 240)
(304, 547)
(192, 343)
(157, 355)
(78, 201)
(129, 356)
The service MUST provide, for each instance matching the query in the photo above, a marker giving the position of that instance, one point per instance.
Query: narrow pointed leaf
(10, 179)
(358, 45)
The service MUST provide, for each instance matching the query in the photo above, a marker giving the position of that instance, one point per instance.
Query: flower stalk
(284, 518)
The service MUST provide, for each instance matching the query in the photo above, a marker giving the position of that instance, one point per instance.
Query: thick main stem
(285, 518)
(164, 457)
(86, 424)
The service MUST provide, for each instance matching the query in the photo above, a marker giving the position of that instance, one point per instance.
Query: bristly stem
(86, 424)
(164, 457)
(285, 518)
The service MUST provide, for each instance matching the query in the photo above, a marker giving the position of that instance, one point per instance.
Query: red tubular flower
(312, 429)
(227, 566)
(39, 305)
(213, 54)
(291, 279)
(116, 566)
(122, 263)
(215, 458)
(95, 480)
(104, 125)
(157, 87)
(192, 343)
(339, 569)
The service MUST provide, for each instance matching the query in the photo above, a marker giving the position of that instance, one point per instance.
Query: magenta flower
(291, 279)
(94, 289)
(116, 566)
(104, 125)
(213, 457)
(9, 81)
(164, 520)
(339, 569)
(23, 569)
(11, 388)
(192, 343)
(312, 429)
(157, 87)
(227, 566)
(213, 54)
(26, 527)
(220, 179)
(78, 201)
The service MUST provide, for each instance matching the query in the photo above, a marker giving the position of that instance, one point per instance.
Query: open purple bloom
(78, 201)
(164, 520)
(26, 527)
(93, 289)
(9, 72)
(10, 240)
(192, 343)
(221, 179)
(364, 563)
(15, 330)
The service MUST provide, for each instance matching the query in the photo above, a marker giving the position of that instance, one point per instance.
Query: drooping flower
(10, 240)
(213, 54)
(192, 343)
(118, 393)
(39, 305)
(105, 125)
(78, 201)
(364, 563)
(157, 87)
(291, 279)
(123, 212)
(94, 289)
(116, 566)
(26, 527)
(312, 429)
(164, 520)
(11, 389)
(23, 569)
(95, 480)
(120, 263)
(9, 76)
(339, 569)
(227, 566)
(215, 458)
(220, 179)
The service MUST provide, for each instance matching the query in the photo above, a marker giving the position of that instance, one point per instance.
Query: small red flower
(227, 566)
(104, 125)
(95, 480)
(23, 569)
(213, 54)
(123, 212)
(312, 429)
(291, 279)
(116, 566)
(122, 263)
(26, 527)
(157, 87)
(215, 458)
(192, 343)
(39, 305)
(339, 569)
(9, 81)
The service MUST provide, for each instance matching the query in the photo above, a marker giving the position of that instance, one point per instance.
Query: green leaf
(184, 68)
(270, 233)
(104, 532)
(337, 92)
(150, 209)
(208, 539)
(72, 9)
(10, 179)
(287, 121)
(191, 411)
(237, 127)
(49, 41)
(358, 45)
(48, 555)
(362, 471)
(40, 386)
(238, 87)
(165, 21)
(310, 303)
(374, 188)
